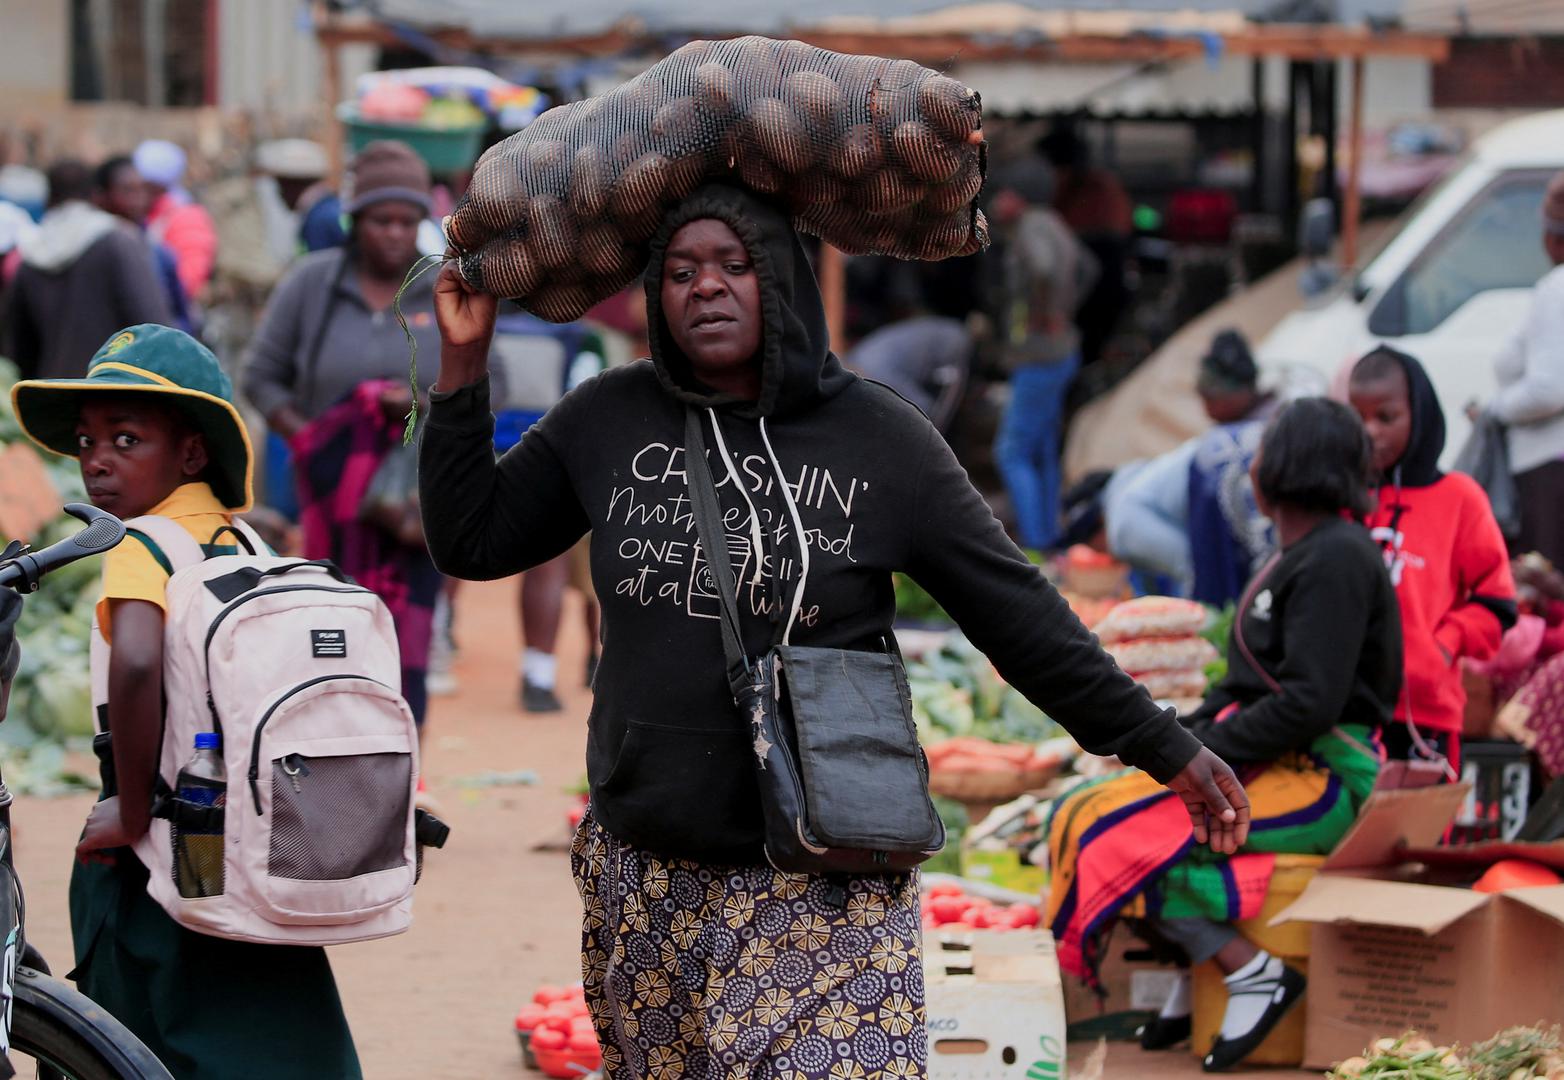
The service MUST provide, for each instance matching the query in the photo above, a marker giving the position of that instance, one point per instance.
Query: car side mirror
(1317, 228)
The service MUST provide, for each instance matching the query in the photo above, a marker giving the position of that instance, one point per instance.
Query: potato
(817, 188)
(676, 126)
(692, 53)
(757, 171)
(639, 189)
(978, 241)
(888, 191)
(590, 178)
(926, 156)
(685, 174)
(781, 135)
(498, 197)
(756, 73)
(603, 250)
(714, 88)
(945, 237)
(560, 303)
(949, 197)
(643, 96)
(797, 56)
(552, 232)
(505, 268)
(628, 148)
(547, 166)
(856, 153)
(954, 110)
(816, 100)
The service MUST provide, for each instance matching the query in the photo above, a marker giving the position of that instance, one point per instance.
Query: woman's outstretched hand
(1217, 805)
(466, 320)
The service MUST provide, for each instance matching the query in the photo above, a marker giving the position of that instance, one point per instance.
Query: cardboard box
(1399, 944)
(995, 1006)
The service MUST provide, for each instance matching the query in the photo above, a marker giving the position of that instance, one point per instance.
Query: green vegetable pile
(1518, 1053)
(914, 605)
(956, 691)
(51, 699)
(1218, 630)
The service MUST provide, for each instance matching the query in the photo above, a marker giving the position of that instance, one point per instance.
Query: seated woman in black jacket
(1314, 666)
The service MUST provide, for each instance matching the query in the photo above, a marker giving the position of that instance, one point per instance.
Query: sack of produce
(1152, 616)
(1163, 654)
(874, 156)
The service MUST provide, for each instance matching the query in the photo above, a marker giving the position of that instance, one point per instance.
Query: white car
(1450, 286)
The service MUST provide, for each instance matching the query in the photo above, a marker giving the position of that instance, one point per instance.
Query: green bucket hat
(154, 360)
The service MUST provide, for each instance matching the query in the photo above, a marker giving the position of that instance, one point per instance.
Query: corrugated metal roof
(508, 18)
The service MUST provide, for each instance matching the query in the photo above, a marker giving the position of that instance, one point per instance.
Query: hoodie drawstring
(798, 530)
(754, 519)
(756, 545)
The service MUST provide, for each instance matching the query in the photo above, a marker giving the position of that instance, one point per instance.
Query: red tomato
(582, 1041)
(576, 992)
(546, 1038)
(945, 888)
(977, 918)
(1023, 916)
(547, 994)
(563, 1007)
(529, 1017)
(555, 1022)
(948, 909)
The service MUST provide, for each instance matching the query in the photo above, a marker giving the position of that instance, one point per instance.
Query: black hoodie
(876, 488)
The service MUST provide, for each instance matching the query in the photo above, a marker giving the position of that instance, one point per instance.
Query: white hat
(160, 162)
(291, 159)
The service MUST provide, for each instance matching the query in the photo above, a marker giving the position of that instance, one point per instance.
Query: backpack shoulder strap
(177, 545)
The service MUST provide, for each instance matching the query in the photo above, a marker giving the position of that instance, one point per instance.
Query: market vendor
(1314, 667)
(700, 960)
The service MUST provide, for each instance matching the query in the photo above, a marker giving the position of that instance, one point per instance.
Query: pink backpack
(297, 668)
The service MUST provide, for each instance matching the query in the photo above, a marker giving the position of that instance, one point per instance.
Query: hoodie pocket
(682, 789)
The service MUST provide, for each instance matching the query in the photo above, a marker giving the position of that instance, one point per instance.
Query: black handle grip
(103, 531)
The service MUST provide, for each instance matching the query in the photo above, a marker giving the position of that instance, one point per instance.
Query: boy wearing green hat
(154, 426)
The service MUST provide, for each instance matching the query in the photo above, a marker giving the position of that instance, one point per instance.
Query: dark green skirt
(208, 1007)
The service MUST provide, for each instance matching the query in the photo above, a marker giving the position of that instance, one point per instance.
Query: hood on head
(1419, 464)
(798, 367)
(65, 234)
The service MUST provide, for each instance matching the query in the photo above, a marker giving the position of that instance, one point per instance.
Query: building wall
(34, 53)
(268, 58)
(1502, 73)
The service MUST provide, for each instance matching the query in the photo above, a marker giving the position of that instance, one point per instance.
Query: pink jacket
(187, 229)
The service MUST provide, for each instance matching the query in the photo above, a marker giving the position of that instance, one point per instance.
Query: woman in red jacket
(1442, 546)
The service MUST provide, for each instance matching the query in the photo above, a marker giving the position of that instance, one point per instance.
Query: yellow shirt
(132, 572)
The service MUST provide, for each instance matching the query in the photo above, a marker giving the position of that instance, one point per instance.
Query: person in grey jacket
(330, 324)
(1530, 400)
(84, 275)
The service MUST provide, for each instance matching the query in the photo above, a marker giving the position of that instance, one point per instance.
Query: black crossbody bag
(843, 782)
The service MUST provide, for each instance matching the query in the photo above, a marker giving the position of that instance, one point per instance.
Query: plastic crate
(445, 150)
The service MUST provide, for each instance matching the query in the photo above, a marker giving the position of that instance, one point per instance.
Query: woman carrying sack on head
(700, 959)
(328, 370)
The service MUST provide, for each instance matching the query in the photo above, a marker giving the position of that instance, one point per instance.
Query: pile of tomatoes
(557, 1030)
(946, 904)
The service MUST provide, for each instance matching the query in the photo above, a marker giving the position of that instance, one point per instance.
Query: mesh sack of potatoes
(873, 156)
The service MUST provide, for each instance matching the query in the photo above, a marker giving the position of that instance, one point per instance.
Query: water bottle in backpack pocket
(201, 796)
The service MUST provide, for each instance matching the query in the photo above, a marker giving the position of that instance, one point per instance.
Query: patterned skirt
(698, 972)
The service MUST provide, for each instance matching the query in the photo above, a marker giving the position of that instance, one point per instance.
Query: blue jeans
(1026, 451)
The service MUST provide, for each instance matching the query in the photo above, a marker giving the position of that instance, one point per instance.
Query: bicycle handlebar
(103, 531)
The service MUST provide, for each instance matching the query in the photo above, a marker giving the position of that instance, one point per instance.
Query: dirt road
(495, 916)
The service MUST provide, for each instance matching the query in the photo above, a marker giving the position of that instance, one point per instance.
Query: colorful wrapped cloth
(1123, 846)
(335, 459)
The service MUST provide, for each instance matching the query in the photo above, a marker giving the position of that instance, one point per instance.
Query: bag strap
(178, 546)
(1250, 593)
(714, 539)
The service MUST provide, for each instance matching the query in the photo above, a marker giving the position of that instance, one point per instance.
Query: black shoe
(1165, 1032)
(1225, 1053)
(538, 699)
(591, 671)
